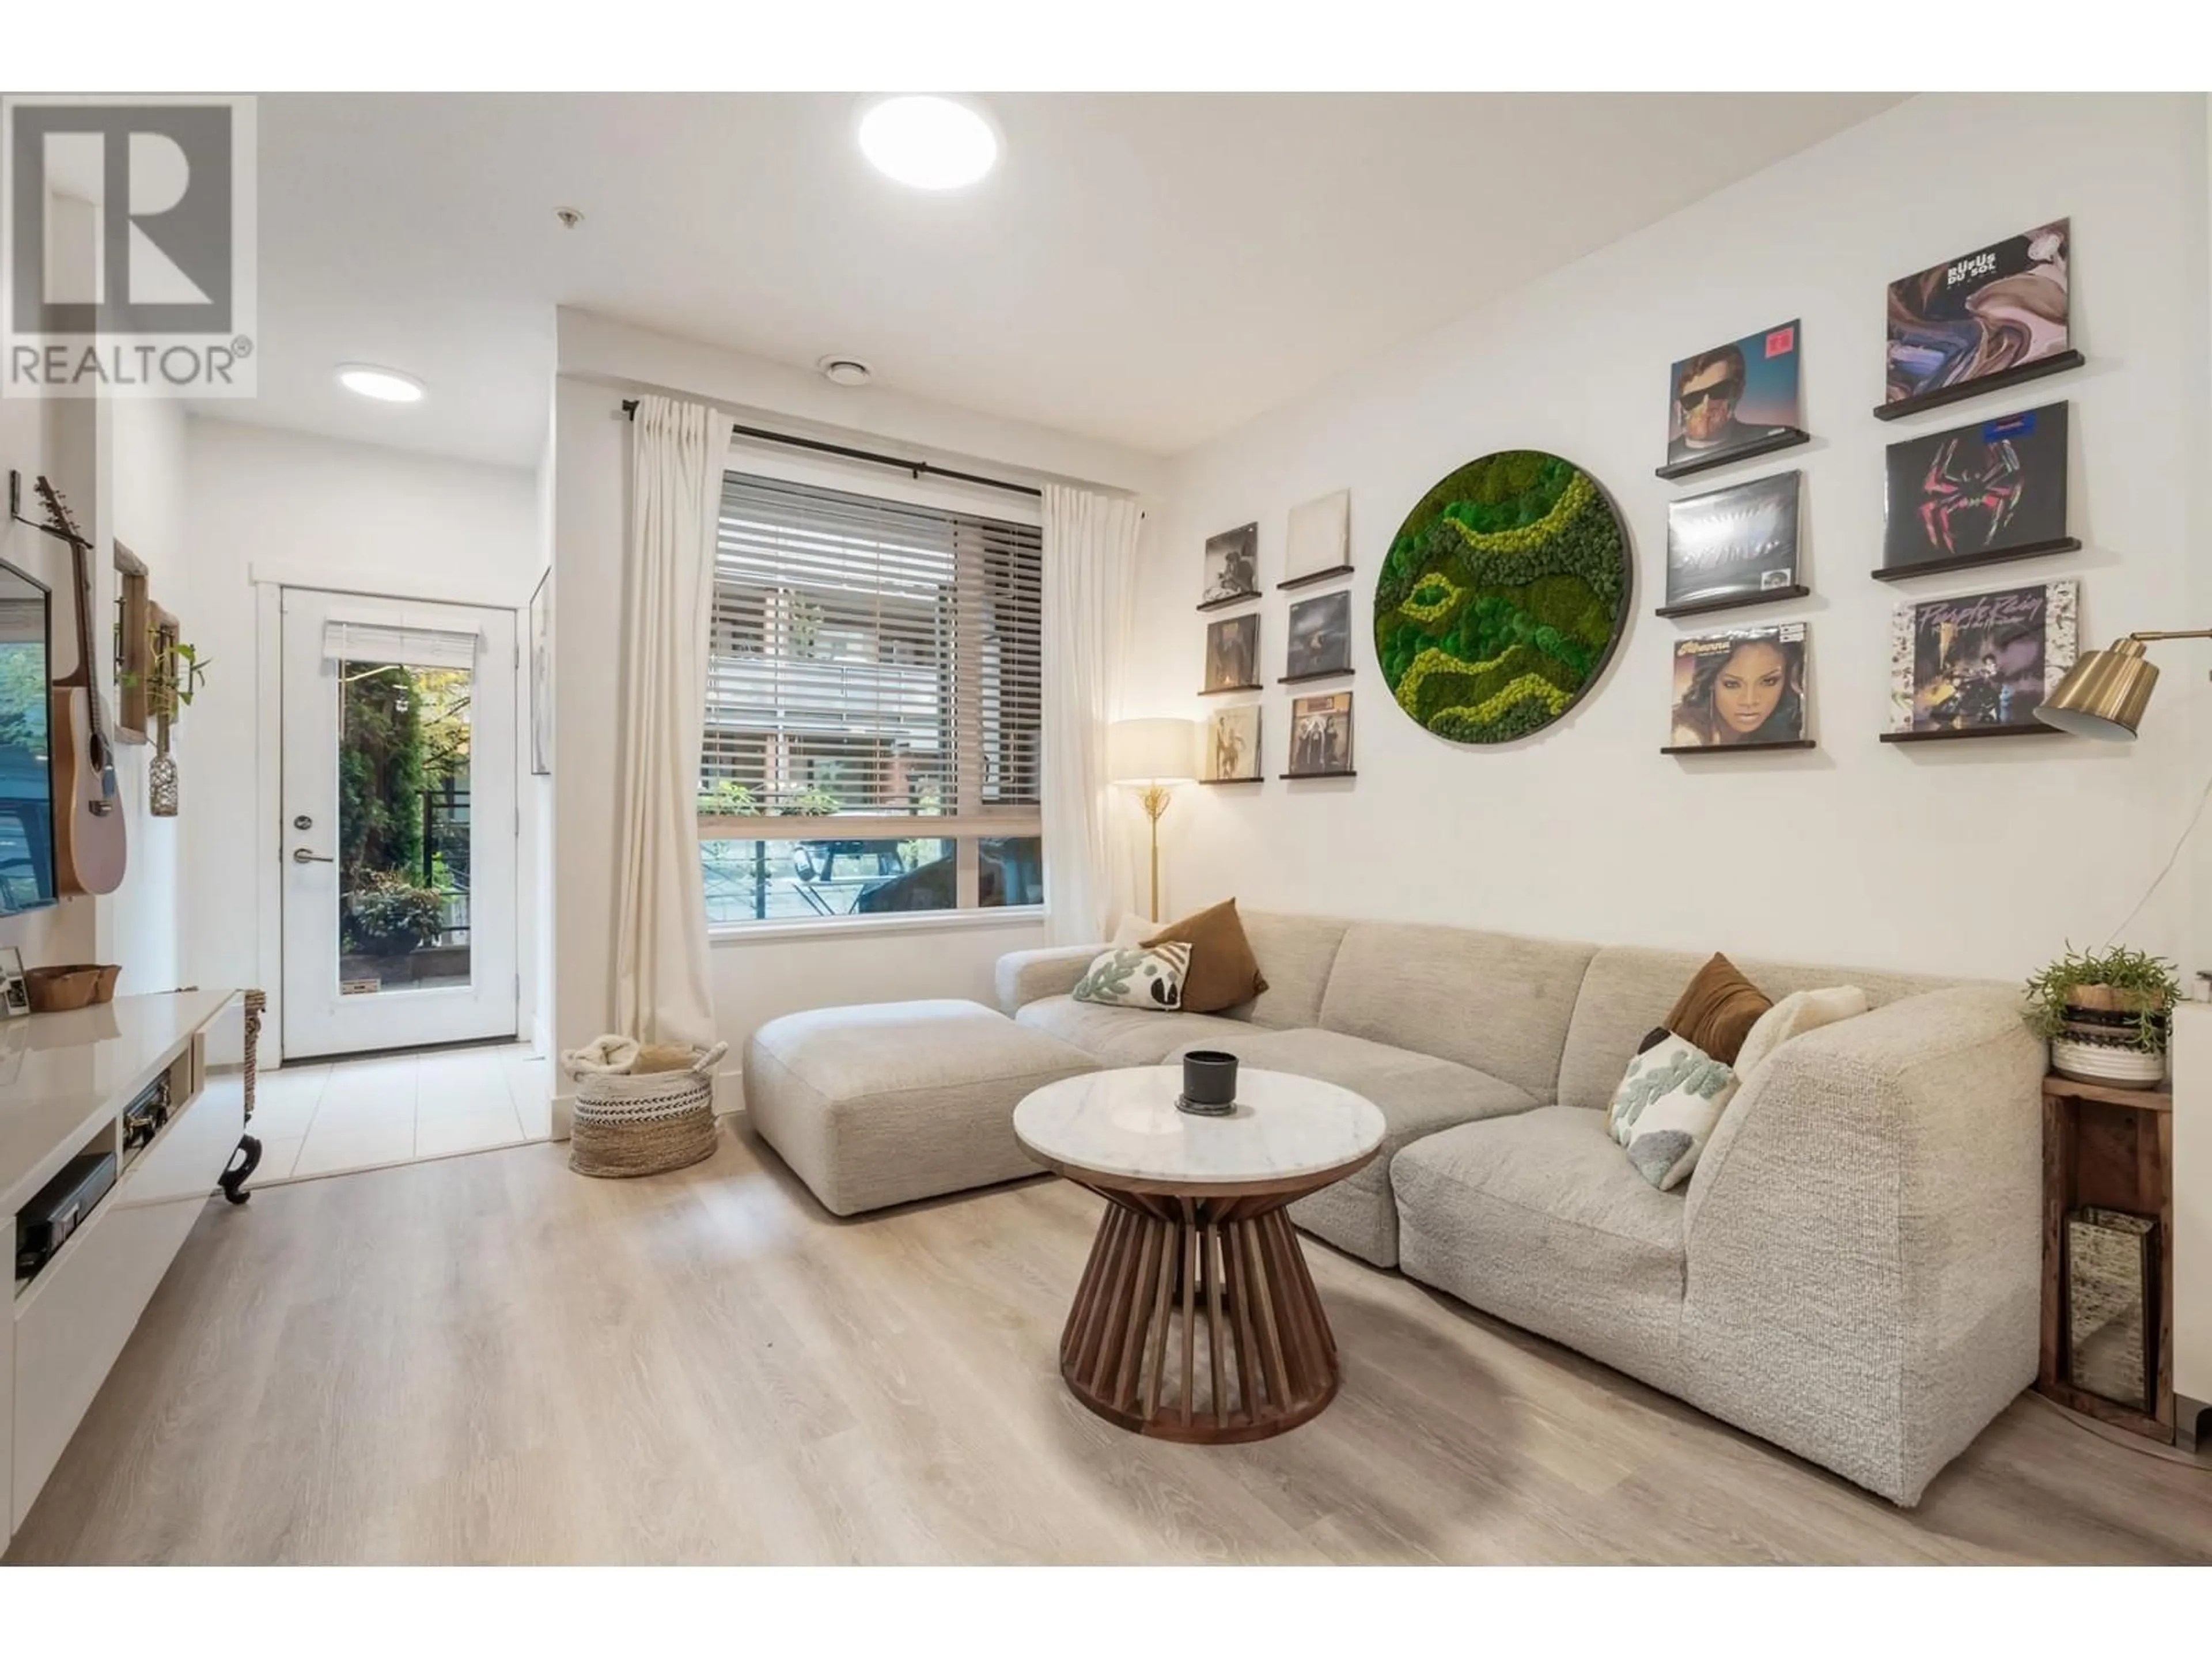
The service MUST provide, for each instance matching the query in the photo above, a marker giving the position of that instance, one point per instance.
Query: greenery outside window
(873, 709)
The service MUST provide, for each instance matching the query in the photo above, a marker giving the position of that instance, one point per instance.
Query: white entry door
(399, 824)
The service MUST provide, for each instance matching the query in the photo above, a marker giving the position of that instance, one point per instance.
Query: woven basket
(631, 1125)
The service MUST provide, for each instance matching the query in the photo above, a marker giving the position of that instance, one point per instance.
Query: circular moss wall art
(1501, 597)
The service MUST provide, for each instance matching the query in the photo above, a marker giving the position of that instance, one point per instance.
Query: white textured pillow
(1795, 1015)
(1147, 977)
(1665, 1109)
(1133, 931)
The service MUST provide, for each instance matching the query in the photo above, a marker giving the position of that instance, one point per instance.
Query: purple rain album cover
(1985, 660)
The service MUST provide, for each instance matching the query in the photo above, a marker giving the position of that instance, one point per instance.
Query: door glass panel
(402, 831)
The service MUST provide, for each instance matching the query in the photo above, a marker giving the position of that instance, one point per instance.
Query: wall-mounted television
(26, 802)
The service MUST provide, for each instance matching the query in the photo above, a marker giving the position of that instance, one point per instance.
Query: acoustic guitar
(89, 850)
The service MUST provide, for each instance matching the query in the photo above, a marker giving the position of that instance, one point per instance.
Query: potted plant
(2105, 1014)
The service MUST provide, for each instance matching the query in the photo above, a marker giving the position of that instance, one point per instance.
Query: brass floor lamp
(2105, 694)
(1153, 755)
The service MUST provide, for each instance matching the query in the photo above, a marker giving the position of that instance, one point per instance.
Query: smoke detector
(845, 371)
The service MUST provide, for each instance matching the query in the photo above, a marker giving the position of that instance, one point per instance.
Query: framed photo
(1232, 567)
(1320, 736)
(1981, 665)
(1232, 745)
(1733, 546)
(1742, 690)
(1995, 314)
(1734, 400)
(1232, 654)
(1321, 637)
(1318, 545)
(15, 995)
(541, 677)
(1995, 490)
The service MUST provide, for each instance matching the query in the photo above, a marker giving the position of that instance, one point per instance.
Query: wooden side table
(1194, 1237)
(2112, 1148)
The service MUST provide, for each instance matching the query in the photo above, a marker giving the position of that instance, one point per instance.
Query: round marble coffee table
(1194, 1235)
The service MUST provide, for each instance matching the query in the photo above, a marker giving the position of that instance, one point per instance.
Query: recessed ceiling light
(845, 371)
(386, 385)
(928, 141)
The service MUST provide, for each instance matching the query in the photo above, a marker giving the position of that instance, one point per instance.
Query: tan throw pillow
(1223, 972)
(1718, 1009)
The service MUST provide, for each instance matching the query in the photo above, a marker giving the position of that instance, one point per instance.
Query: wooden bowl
(59, 989)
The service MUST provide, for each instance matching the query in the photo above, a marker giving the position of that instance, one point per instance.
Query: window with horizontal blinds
(877, 661)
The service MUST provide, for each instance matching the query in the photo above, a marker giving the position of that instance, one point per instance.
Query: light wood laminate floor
(490, 1359)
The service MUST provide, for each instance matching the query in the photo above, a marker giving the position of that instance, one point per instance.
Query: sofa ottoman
(885, 1102)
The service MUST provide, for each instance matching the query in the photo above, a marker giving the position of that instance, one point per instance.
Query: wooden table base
(1196, 1319)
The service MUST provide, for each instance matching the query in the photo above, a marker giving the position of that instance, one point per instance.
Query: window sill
(749, 933)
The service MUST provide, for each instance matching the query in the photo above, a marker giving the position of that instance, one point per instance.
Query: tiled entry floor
(321, 1117)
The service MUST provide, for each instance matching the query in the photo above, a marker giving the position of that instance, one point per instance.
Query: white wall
(144, 924)
(320, 511)
(1979, 858)
(602, 362)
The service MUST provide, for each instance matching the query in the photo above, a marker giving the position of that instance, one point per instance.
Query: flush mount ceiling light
(929, 142)
(845, 371)
(385, 385)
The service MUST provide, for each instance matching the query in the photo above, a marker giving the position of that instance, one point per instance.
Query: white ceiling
(1149, 270)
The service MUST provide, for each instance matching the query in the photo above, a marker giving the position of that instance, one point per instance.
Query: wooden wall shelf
(1788, 438)
(2038, 730)
(1900, 573)
(2057, 364)
(1734, 601)
(2111, 1148)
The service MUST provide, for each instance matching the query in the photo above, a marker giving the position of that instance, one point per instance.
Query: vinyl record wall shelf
(1788, 438)
(1230, 600)
(2038, 730)
(1302, 777)
(1736, 601)
(1224, 690)
(1974, 388)
(1737, 748)
(1967, 561)
(1313, 576)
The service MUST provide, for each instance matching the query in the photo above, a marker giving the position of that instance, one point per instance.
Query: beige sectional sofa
(1852, 1272)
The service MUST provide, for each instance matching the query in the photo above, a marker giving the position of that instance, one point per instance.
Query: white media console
(65, 1081)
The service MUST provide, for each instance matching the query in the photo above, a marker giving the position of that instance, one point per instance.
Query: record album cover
(1996, 308)
(1734, 543)
(1746, 686)
(1987, 488)
(1233, 745)
(1732, 397)
(1986, 661)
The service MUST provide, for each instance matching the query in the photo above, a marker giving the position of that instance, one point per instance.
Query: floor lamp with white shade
(1153, 755)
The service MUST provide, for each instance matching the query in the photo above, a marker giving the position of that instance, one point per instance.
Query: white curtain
(1090, 578)
(663, 992)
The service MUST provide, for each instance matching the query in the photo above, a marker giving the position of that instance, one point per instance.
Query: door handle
(302, 856)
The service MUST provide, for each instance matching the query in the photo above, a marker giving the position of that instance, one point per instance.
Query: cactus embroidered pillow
(1667, 1107)
(1142, 977)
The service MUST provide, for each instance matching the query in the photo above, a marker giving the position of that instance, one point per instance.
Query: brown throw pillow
(1718, 1009)
(1223, 972)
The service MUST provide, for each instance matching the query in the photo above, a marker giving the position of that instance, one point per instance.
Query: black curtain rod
(918, 469)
